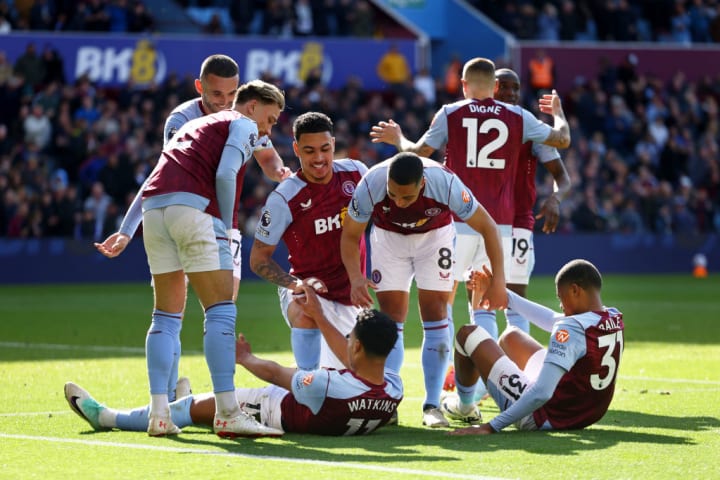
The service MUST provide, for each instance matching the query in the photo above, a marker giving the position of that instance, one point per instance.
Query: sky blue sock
(451, 340)
(486, 319)
(305, 344)
(174, 371)
(219, 345)
(435, 356)
(134, 420)
(180, 411)
(516, 320)
(160, 348)
(394, 361)
(466, 394)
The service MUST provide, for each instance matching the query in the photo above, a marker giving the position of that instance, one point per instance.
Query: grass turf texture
(664, 421)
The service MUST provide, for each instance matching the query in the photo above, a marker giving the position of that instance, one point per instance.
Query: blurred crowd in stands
(677, 21)
(644, 156)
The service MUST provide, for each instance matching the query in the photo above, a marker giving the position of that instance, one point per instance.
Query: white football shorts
(506, 384)
(179, 237)
(265, 402)
(522, 257)
(470, 251)
(397, 258)
(236, 250)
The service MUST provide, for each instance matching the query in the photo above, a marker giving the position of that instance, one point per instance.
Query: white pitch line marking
(359, 466)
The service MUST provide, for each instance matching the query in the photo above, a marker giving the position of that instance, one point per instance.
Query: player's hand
(113, 245)
(386, 132)
(359, 293)
(307, 299)
(311, 282)
(495, 296)
(550, 103)
(550, 211)
(479, 283)
(482, 429)
(242, 349)
(283, 173)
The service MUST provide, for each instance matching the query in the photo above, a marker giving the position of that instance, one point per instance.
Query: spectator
(118, 16)
(548, 23)
(541, 72)
(242, 14)
(363, 20)
(6, 70)
(139, 19)
(5, 25)
(214, 25)
(393, 68)
(37, 127)
(30, 67)
(42, 15)
(97, 18)
(95, 210)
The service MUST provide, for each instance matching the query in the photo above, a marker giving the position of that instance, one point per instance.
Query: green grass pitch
(664, 421)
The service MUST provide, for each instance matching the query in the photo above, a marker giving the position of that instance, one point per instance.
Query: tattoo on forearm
(272, 272)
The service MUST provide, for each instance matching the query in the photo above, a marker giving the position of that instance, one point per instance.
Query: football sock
(514, 319)
(219, 345)
(135, 420)
(108, 418)
(480, 391)
(305, 344)
(395, 359)
(159, 352)
(172, 382)
(435, 356)
(466, 393)
(486, 319)
(451, 331)
(180, 411)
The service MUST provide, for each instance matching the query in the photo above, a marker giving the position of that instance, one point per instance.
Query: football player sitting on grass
(569, 385)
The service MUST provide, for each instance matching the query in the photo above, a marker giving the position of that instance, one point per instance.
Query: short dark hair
(580, 272)
(263, 92)
(220, 65)
(406, 168)
(312, 122)
(376, 331)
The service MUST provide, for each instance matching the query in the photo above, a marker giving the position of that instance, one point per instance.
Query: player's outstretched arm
(272, 165)
(263, 265)
(495, 297)
(312, 308)
(267, 370)
(114, 245)
(550, 209)
(560, 135)
(390, 132)
(350, 253)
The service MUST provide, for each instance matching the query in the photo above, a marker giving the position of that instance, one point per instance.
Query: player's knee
(511, 336)
(468, 338)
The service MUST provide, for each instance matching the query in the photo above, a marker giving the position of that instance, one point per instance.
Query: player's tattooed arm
(263, 265)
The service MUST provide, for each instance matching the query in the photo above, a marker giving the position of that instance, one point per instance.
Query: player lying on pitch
(353, 401)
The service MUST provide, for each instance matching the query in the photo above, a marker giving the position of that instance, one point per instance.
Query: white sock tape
(459, 349)
(477, 336)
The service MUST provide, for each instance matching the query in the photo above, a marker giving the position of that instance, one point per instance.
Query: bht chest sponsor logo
(292, 67)
(329, 224)
(142, 64)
